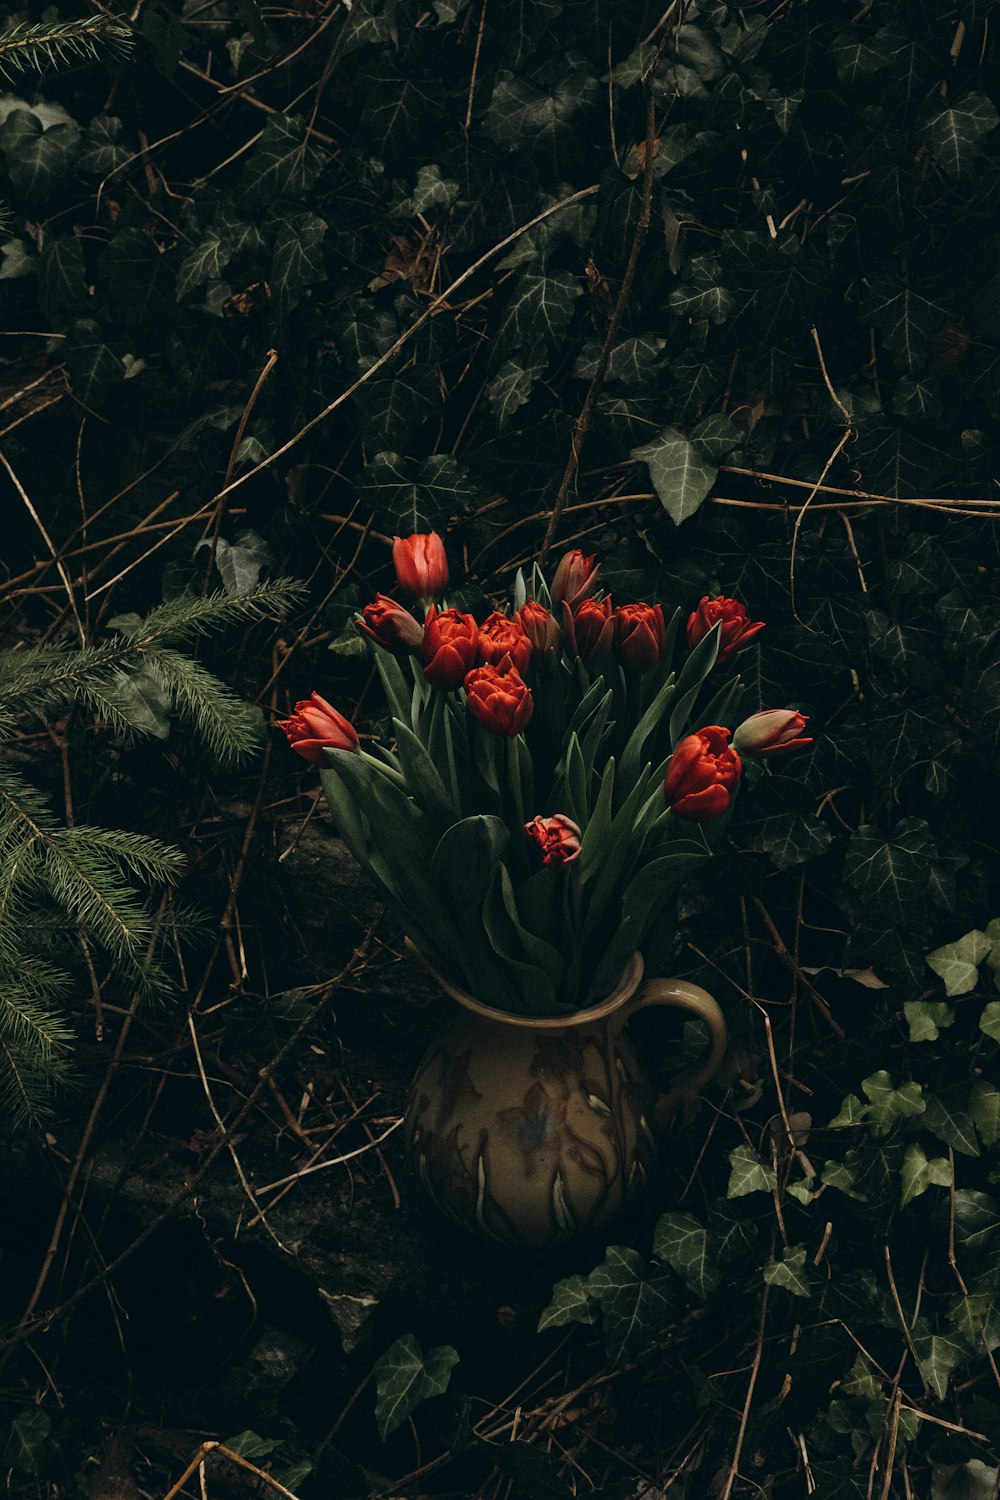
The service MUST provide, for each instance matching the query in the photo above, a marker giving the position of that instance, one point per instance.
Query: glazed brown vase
(536, 1131)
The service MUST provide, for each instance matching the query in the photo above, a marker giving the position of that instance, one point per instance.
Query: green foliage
(816, 300)
(405, 1376)
(75, 892)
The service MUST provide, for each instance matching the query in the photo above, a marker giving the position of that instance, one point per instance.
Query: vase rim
(627, 985)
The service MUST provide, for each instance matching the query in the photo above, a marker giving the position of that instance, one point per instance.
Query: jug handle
(689, 997)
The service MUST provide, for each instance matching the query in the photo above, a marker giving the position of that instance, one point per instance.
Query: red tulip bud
(557, 837)
(449, 647)
(499, 636)
(390, 625)
(737, 630)
(498, 698)
(702, 775)
(541, 627)
(575, 579)
(639, 635)
(589, 630)
(314, 727)
(771, 732)
(421, 565)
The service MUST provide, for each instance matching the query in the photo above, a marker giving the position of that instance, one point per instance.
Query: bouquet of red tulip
(545, 794)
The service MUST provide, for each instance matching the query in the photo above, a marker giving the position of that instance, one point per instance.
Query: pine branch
(230, 728)
(189, 616)
(26, 47)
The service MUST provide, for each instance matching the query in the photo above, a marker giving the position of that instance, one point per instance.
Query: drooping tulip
(771, 732)
(390, 625)
(316, 726)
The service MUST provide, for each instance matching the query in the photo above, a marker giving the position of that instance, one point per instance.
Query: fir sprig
(69, 891)
(25, 47)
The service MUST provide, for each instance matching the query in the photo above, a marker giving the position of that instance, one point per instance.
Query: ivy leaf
(571, 1303)
(297, 259)
(682, 1242)
(250, 1444)
(399, 104)
(511, 387)
(918, 1173)
(393, 408)
(284, 163)
(204, 262)
(405, 1376)
(895, 460)
(958, 963)
(977, 1220)
(38, 160)
(539, 312)
(890, 874)
(94, 369)
(952, 1123)
(27, 1441)
(927, 1018)
(635, 1309)
(101, 151)
(790, 1272)
(749, 1174)
(939, 1354)
(777, 821)
(680, 475)
(984, 1106)
(407, 496)
(61, 275)
(974, 1480)
(989, 1021)
(140, 282)
(888, 1103)
(539, 119)
(906, 320)
(953, 136)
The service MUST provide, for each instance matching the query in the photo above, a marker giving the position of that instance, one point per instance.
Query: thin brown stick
(407, 334)
(60, 565)
(745, 1417)
(582, 424)
(28, 1327)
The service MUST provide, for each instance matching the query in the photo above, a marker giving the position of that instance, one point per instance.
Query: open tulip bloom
(553, 779)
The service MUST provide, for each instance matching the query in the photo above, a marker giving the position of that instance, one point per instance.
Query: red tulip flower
(737, 630)
(639, 635)
(449, 647)
(421, 565)
(500, 636)
(499, 698)
(575, 579)
(315, 726)
(589, 630)
(541, 627)
(390, 625)
(557, 837)
(771, 732)
(702, 775)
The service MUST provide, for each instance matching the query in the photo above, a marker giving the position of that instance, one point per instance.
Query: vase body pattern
(533, 1132)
